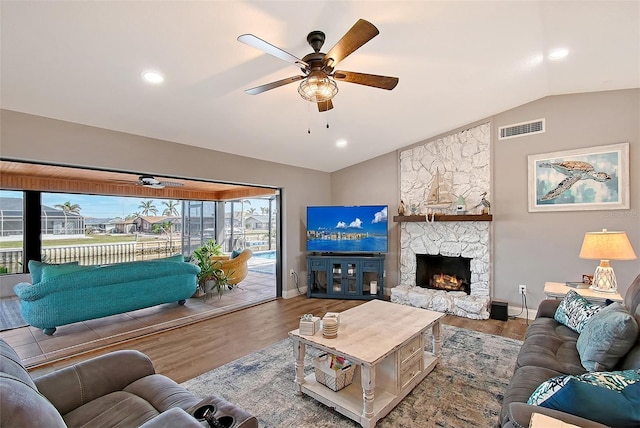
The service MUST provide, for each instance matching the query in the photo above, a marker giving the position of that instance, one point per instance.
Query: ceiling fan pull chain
(327, 113)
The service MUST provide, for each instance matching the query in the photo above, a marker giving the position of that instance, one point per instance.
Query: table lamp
(605, 246)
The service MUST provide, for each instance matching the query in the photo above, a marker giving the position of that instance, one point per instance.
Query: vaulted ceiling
(457, 61)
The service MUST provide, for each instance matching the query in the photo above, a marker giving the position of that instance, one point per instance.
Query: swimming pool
(271, 255)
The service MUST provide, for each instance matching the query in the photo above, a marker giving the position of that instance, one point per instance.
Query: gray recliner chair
(117, 389)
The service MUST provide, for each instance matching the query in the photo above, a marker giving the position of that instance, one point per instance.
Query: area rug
(10, 316)
(464, 390)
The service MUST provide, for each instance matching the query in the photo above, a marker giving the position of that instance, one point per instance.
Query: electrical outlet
(522, 289)
(291, 272)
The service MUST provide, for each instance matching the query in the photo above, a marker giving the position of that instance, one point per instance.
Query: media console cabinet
(345, 276)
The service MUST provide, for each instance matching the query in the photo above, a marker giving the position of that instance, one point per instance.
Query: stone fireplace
(462, 159)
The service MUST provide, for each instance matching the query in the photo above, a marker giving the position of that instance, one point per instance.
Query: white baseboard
(287, 294)
(520, 312)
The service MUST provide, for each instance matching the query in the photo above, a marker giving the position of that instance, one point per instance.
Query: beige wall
(34, 138)
(373, 183)
(531, 248)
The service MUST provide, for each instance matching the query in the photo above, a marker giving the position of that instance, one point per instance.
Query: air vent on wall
(521, 129)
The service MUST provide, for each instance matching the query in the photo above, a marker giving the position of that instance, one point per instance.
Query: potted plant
(211, 277)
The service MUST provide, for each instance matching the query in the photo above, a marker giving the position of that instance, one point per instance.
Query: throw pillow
(52, 271)
(607, 337)
(594, 396)
(574, 311)
(35, 269)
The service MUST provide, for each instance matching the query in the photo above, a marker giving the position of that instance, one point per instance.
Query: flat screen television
(347, 229)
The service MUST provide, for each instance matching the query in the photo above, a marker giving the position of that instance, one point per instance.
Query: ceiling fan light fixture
(318, 87)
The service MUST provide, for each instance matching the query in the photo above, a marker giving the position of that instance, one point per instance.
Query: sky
(102, 206)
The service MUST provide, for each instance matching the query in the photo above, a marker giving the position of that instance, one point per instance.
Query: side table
(557, 290)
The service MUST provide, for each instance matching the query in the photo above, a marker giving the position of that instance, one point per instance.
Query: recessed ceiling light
(558, 53)
(341, 143)
(153, 77)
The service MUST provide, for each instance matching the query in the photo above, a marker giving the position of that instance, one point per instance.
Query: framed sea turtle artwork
(594, 178)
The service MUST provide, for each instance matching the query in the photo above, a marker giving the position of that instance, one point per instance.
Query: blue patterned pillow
(574, 311)
(594, 396)
(607, 337)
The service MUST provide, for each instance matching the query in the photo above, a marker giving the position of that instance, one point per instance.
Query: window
(250, 223)
(94, 229)
(11, 231)
(97, 229)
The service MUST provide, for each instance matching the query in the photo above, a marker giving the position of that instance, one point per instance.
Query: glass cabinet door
(344, 277)
(351, 279)
(336, 278)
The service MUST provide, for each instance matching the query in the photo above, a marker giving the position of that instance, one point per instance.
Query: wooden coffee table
(386, 343)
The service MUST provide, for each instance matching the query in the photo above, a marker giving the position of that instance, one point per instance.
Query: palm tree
(251, 211)
(68, 207)
(172, 208)
(147, 207)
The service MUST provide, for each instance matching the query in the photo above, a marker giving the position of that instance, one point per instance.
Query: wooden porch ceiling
(52, 178)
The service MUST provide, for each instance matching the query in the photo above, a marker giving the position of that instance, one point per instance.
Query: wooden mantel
(443, 217)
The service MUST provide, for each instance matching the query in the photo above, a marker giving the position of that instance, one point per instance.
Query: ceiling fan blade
(361, 32)
(382, 82)
(258, 43)
(325, 105)
(263, 88)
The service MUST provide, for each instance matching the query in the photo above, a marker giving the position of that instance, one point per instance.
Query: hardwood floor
(188, 351)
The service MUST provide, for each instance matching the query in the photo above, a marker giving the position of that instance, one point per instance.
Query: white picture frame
(594, 178)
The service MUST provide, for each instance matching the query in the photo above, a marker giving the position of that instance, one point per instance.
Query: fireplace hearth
(443, 272)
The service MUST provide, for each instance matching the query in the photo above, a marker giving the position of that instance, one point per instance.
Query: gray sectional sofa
(551, 349)
(119, 389)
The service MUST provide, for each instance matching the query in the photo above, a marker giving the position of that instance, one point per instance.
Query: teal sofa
(65, 294)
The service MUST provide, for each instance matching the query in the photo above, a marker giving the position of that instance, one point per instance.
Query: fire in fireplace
(443, 273)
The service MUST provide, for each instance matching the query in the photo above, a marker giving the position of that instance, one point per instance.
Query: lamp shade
(607, 245)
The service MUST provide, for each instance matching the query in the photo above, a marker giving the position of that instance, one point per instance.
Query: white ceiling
(458, 62)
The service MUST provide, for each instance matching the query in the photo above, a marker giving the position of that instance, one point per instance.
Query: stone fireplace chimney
(463, 159)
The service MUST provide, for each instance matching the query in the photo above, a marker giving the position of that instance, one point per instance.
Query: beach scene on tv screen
(347, 229)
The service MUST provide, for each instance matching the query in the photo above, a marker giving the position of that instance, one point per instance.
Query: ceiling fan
(317, 84)
(151, 182)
